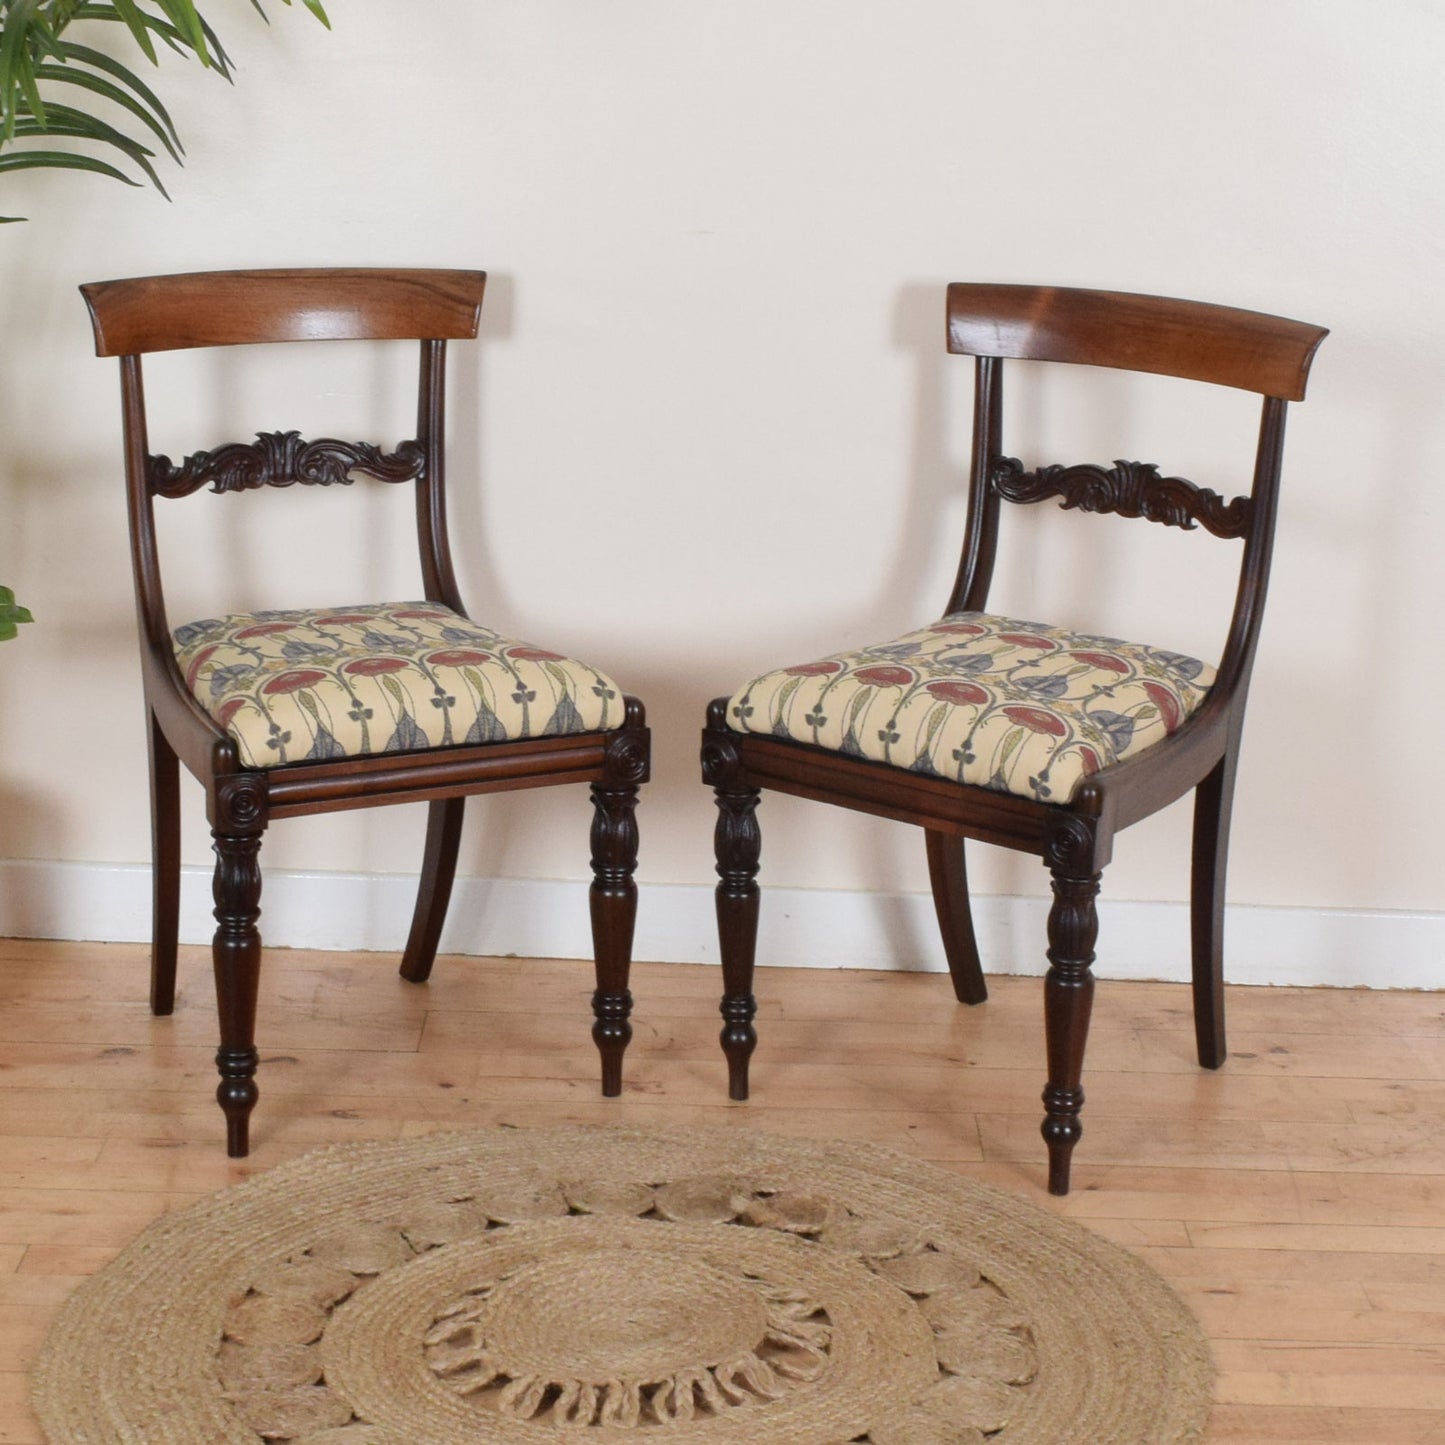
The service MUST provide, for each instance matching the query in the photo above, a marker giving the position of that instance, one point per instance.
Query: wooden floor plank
(1295, 1198)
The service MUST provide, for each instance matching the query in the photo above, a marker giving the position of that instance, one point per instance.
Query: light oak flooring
(1296, 1199)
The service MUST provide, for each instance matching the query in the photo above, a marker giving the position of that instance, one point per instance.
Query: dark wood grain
(948, 878)
(434, 889)
(1196, 340)
(738, 844)
(1127, 489)
(1268, 355)
(240, 307)
(613, 896)
(165, 777)
(236, 953)
(284, 459)
(1213, 804)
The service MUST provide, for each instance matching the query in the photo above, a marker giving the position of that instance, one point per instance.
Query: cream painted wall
(710, 426)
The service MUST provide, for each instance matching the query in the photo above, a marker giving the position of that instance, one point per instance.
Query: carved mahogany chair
(285, 713)
(1013, 732)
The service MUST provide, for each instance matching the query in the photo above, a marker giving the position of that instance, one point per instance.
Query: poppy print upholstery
(396, 677)
(1014, 706)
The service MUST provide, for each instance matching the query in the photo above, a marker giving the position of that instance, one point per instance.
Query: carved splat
(282, 459)
(1129, 489)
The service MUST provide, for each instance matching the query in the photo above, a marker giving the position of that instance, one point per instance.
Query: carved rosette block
(283, 459)
(1127, 489)
(239, 804)
(737, 842)
(629, 750)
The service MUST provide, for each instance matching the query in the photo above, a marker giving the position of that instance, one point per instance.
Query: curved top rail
(1191, 339)
(238, 308)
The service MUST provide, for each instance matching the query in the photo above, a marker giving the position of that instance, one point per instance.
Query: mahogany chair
(1016, 733)
(285, 713)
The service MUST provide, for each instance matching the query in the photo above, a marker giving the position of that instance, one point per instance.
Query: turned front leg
(1068, 1002)
(236, 954)
(614, 912)
(738, 844)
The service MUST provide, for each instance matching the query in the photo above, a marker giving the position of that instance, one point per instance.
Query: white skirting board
(814, 928)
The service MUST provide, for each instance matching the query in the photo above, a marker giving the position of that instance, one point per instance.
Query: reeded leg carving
(949, 879)
(613, 898)
(1213, 803)
(438, 869)
(236, 952)
(614, 913)
(165, 868)
(238, 819)
(738, 845)
(1068, 993)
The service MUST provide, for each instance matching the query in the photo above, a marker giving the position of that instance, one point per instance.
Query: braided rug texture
(620, 1287)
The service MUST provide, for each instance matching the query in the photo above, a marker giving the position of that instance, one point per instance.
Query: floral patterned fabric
(391, 678)
(1014, 706)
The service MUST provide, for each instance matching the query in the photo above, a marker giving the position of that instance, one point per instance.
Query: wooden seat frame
(237, 308)
(1264, 354)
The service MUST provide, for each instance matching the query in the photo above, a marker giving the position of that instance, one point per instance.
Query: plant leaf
(139, 26)
(65, 121)
(100, 61)
(220, 61)
(10, 614)
(23, 20)
(315, 7)
(32, 51)
(61, 160)
(182, 14)
(72, 75)
(173, 38)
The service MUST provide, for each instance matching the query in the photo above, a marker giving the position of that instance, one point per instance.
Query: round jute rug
(620, 1287)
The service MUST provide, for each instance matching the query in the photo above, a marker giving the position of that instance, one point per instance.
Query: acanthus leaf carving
(283, 459)
(1127, 489)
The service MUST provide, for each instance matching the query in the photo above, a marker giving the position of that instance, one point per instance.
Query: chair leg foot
(1068, 1002)
(237, 1094)
(613, 902)
(612, 1032)
(236, 953)
(1060, 1136)
(738, 1039)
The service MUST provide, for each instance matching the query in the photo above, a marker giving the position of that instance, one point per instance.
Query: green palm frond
(79, 66)
(37, 58)
(11, 613)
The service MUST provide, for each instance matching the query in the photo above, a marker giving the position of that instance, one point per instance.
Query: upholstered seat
(1018, 707)
(383, 678)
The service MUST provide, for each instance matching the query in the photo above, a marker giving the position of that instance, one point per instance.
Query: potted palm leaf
(50, 83)
(10, 613)
(68, 105)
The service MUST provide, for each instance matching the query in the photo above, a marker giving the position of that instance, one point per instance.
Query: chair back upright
(146, 314)
(1195, 341)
